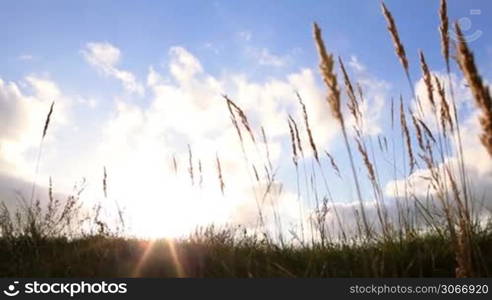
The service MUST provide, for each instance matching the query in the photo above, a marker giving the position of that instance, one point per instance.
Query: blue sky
(84, 52)
(54, 31)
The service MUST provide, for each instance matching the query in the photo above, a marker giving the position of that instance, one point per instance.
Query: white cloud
(184, 66)
(265, 58)
(105, 57)
(89, 102)
(23, 116)
(356, 65)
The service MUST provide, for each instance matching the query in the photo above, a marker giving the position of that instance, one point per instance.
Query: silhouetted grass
(219, 256)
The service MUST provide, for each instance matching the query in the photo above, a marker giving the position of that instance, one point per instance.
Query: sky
(135, 82)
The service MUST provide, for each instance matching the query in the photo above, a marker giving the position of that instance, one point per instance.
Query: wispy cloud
(265, 58)
(22, 113)
(105, 57)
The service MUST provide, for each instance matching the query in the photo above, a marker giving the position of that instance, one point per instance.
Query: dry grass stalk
(406, 135)
(380, 207)
(269, 176)
(445, 114)
(308, 128)
(105, 190)
(456, 192)
(45, 130)
(190, 165)
(380, 144)
(329, 77)
(105, 182)
(175, 164)
(219, 174)
(400, 50)
(428, 158)
(480, 91)
(427, 80)
(365, 158)
(444, 31)
(326, 67)
(445, 45)
(427, 131)
(235, 123)
(293, 142)
(200, 171)
(361, 94)
(242, 117)
(418, 131)
(297, 144)
(255, 172)
(267, 149)
(48, 118)
(231, 107)
(352, 104)
(333, 163)
(298, 137)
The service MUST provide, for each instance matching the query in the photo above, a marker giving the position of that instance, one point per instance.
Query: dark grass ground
(100, 256)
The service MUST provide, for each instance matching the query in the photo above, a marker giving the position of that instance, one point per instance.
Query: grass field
(220, 256)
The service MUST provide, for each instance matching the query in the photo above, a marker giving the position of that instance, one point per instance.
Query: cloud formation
(23, 107)
(105, 57)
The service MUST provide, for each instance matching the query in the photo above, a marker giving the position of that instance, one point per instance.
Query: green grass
(219, 255)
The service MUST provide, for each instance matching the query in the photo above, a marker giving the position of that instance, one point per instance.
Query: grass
(440, 235)
(217, 255)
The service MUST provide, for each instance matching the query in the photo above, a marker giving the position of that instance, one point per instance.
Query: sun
(169, 207)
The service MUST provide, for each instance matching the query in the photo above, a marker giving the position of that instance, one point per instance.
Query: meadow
(445, 233)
